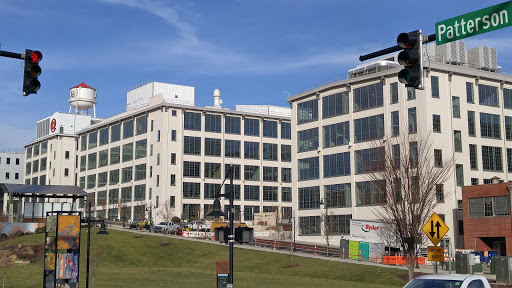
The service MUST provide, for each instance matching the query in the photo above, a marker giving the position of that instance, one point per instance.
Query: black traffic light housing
(31, 72)
(411, 58)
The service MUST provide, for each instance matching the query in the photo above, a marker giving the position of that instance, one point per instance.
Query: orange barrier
(385, 260)
(392, 260)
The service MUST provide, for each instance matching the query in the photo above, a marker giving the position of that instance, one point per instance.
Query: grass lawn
(122, 260)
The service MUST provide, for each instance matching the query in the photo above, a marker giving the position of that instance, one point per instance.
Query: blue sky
(251, 50)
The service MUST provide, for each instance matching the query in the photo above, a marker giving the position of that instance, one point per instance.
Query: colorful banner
(67, 266)
(68, 232)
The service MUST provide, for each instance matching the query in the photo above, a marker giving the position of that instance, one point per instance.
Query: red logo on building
(53, 125)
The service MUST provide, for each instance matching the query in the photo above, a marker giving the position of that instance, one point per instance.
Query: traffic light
(411, 58)
(32, 71)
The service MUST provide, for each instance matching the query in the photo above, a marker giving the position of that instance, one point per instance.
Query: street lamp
(217, 212)
(103, 231)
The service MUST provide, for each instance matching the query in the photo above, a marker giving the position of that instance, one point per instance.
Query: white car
(449, 281)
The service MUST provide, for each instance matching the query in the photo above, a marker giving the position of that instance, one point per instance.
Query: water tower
(82, 97)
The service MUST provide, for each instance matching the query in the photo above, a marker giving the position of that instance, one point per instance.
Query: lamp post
(102, 231)
(218, 212)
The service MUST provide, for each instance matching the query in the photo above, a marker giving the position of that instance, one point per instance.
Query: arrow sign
(435, 228)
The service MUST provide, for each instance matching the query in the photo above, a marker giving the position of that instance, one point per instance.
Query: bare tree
(404, 176)
(167, 213)
(328, 227)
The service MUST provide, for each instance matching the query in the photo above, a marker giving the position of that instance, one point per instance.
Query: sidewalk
(428, 269)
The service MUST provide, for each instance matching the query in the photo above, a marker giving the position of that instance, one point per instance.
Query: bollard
(274, 244)
(377, 258)
(315, 249)
(174, 232)
(255, 242)
(291, 247)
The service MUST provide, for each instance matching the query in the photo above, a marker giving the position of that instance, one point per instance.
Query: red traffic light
(407, 40)
(34, 57)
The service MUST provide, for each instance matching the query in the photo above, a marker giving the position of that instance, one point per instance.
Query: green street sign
(474, 23)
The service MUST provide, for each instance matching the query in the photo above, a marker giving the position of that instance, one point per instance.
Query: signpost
(474, 23)
(435, 253)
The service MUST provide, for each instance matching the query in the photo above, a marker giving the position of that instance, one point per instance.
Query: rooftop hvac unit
(483, 57)
(452, 52)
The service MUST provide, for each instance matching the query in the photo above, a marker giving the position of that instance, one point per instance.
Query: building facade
(468, 112)
(487, 222)
(165, 152)
(11, 171)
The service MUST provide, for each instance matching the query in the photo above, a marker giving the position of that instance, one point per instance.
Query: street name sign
(435, 253)
(435, 228)
(474, 23)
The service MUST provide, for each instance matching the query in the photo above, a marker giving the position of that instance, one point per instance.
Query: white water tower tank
(82, 97)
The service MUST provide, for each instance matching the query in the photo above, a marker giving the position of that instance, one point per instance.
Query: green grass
(126, 261)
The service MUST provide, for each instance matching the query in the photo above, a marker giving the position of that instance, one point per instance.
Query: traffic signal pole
(12, 55)
(426, 39)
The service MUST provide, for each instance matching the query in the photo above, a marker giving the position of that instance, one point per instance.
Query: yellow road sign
(435, 253)
(435, 229)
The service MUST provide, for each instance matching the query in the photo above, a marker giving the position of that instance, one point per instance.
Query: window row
(250, 192)
(251, 173)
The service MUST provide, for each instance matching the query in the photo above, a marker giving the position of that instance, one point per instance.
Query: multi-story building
(466, 107)
(11, 171)
(166, 151)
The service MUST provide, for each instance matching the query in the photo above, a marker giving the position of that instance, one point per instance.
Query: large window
(140, 172)
(270, 151)
(113, 177)
(104, 136)
(141, 125)
(115, 155)
(286, 175)
(336, 134)
(508, 128)
(434, 81)
(457, 137)
(459, 174)
(286, 153)
(115, 133)
(488, 95)
(212, 123)
(139, 192)
(232, 148)
(436, 123)
(395, 123)
(127, 152)
(126, 194)
(192, 145)
(128, 129)
(249, 212)
(286, 194)
(413, 126)
(91, 181)
(210, 190)
(337, 165)
(369, 160)
(236, 171)
(473, 162)
(192, 121)
(212, 147)
(270, 193)
(270, 129)
(251, 173)
(490, 125)
(368, 97)
(491, 158)
(252, 127)
(438, 158)
(336, 104)
(270, 174)
(471, 123)
(489, 206)
(339, 224)
(307, 111)
(251, 150)
(126, 174)
(309, 198)
(309, 225)
(93, 139)
(371, 192)
(369, 128)
(83, 145)
(411, 93)
(103, 158)
(251, 193)
(91, 161)
(212, 170)
(232, 125)
(309, 168)
(337, 195)
(307, 139)
(393, 91)
(141, 147)
(191, 169)
(470, 94)
(191, 190)
(286, 130)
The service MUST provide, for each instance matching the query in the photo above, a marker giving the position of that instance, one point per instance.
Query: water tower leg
(94, 110)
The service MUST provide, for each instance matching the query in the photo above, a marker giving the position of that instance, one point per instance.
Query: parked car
(193, 225)
(162, 227)
(205, 227)
(448, 281)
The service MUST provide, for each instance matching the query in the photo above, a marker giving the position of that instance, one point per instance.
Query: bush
(176, 219)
